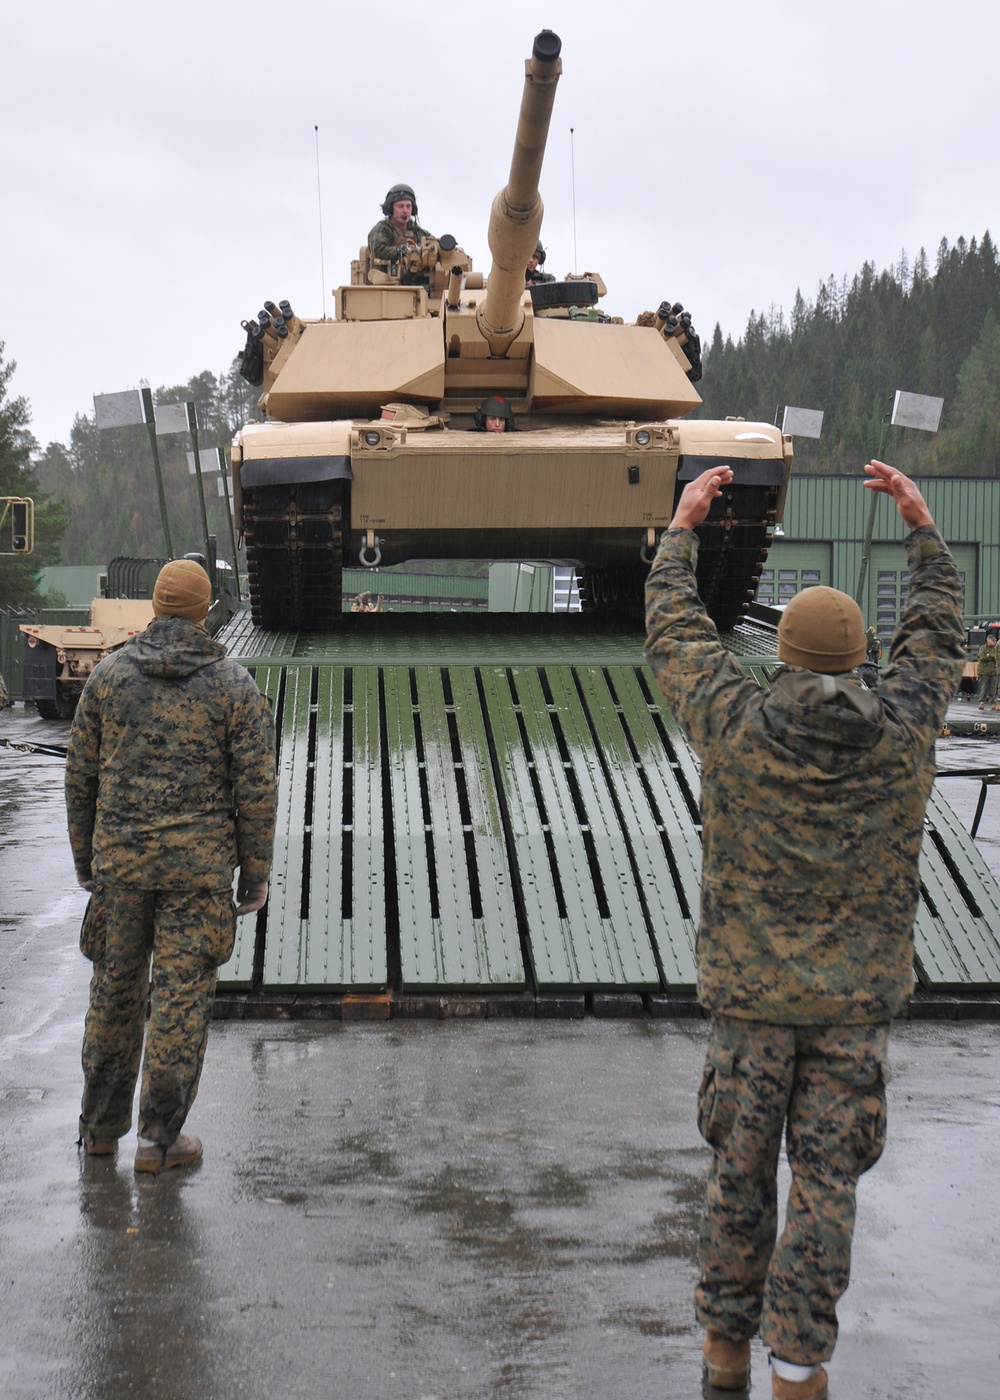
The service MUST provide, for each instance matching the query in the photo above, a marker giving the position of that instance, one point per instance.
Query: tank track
(295, 554)
(732, 549)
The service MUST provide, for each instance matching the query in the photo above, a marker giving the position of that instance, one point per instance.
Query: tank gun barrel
(516, 217)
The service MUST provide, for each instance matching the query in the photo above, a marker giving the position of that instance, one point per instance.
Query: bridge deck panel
(621, 735)
(564, 827)
(531, 820)
(447, 935)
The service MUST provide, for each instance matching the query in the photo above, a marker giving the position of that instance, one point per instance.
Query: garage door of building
(888, 584)
(790, 568)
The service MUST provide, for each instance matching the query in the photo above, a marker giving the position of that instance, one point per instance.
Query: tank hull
(318, 497)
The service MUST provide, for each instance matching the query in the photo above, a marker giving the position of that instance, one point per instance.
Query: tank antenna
(319, 201)
(572, 167)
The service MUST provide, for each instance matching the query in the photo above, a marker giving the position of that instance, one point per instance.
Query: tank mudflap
(295, 554)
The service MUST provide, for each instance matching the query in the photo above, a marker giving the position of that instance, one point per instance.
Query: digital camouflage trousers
(187, 935)
(824, 1087)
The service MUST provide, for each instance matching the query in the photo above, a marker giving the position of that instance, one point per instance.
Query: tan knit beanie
(182, 590)
(823, 630)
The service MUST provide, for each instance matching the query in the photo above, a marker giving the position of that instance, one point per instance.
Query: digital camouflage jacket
(385, 239)
(812, 798)
(988, 659)
(170, 775)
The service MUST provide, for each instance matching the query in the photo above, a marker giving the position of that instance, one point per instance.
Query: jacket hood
(173, 647)
(831, 721)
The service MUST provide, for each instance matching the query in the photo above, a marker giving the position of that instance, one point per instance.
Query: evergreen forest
(933, 331)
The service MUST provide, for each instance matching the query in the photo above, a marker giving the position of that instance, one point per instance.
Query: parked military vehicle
(369, 451)
(58, 659)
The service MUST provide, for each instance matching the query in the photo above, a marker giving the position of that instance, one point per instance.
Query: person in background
(987, 669)
(534, 271)
(868, 669)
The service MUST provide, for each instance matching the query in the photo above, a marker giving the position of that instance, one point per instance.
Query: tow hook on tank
(372, 543)
(647, 546)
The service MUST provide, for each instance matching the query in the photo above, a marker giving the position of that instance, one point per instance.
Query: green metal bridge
(499, 813)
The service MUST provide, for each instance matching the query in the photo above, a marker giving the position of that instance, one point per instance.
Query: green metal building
(824, 530)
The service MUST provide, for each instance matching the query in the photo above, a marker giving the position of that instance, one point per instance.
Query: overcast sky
(159, 162)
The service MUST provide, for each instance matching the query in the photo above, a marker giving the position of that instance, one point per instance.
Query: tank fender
(747, 471)
(275, 471)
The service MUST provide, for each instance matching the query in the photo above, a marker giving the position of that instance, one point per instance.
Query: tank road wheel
(732, 548)
(614, 592)
(295, 554)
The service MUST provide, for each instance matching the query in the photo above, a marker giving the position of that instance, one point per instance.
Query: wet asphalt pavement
(442, 1209)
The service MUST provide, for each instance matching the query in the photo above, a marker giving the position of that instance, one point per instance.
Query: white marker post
(908, 411)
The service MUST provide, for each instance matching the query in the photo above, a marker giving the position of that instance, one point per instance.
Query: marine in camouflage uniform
(170, 785)
(813, 795)
(4, 701)
(989, 653)
(388, 238)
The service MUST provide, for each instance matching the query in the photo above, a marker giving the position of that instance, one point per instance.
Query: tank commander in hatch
(813, 795)
(533, 272)
(398, 230)
(494, 415)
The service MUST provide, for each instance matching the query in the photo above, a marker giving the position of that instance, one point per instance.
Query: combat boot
(727, 1364)
(98, 1147)
(151, 1157)
(815, 1388)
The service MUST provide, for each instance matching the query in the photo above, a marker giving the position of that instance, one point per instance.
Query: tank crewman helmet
(822, 629)
(495, 407)
(540, 254)
(399, 192)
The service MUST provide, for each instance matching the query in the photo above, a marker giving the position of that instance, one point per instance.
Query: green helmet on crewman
(399, 192)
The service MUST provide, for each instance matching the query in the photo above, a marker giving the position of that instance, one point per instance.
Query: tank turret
(370, 451)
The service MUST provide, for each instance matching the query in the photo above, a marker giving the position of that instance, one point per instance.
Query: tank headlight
(372, 439)
(643, 437)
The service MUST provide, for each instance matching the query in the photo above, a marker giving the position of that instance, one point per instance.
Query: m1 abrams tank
(369, 453)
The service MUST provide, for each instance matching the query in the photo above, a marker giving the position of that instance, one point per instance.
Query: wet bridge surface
(471, 1209)
(500, 815)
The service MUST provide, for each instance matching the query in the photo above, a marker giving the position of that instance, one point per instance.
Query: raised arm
(911, 505)
(697, 497)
